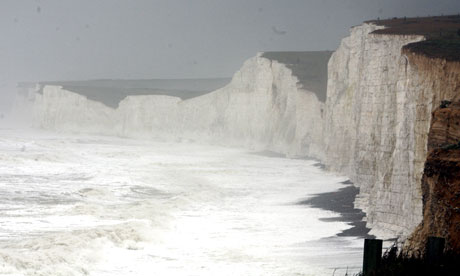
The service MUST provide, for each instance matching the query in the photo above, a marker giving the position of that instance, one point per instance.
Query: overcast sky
(89, 39)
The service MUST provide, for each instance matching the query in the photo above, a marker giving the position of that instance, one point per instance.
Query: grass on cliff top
(442, 34)
(440, 48)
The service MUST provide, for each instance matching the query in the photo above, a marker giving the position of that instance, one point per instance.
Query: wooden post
(434, 249)
(372, 255)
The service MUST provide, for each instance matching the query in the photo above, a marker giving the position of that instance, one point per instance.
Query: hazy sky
(88, 39)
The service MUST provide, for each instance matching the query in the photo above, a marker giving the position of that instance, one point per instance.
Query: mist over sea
(94, 205)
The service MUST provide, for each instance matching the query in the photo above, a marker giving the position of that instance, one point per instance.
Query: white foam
(110, 206)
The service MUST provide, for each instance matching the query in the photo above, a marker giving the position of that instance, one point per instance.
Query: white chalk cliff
(373, 126)
(262, 108)
(370, 125)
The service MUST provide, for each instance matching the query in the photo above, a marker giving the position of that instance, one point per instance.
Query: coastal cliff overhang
(442, 34)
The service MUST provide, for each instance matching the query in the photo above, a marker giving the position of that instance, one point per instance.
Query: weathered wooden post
(372, 255)
(434, 249)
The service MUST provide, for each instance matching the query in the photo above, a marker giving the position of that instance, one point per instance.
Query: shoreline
(340, 201)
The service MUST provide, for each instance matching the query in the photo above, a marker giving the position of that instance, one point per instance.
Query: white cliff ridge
(262, 108)
(373, 126)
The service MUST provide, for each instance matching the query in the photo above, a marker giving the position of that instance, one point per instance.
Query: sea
(75, 204)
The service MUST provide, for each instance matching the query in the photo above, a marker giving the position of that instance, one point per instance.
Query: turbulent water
(90, 205)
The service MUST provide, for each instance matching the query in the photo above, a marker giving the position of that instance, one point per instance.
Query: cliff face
(380, 99)
(63, 110)
(370, 127)
(441, 182)
(445, 126)
(262, 108)
(373, 126)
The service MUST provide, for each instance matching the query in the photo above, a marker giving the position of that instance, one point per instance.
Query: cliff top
(310, 68)
(442, 34)
(112, 92)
